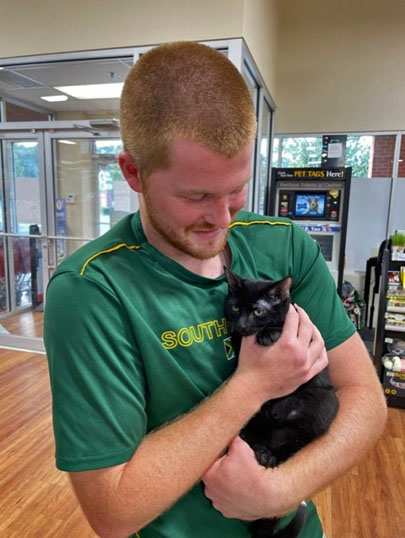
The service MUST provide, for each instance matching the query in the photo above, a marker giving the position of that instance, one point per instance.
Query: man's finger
(305, 326)
(291, 323)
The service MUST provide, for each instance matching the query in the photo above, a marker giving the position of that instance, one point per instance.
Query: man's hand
(296, 357)
(238, 488)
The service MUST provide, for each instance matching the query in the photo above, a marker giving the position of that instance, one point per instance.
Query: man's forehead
(187, 150)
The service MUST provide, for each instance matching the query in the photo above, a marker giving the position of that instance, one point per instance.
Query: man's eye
(239, 190)
(259, 312)
(196, 198)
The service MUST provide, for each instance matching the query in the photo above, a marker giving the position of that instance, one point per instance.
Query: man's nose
(219, 213)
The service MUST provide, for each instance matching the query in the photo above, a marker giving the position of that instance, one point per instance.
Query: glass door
(85, 195)
(22, 221)
(34, 224)
(86, 192)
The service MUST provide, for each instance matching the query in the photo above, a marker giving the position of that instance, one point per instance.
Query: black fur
(283, 425)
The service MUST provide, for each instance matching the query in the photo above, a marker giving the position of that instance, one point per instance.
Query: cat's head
(252, 305)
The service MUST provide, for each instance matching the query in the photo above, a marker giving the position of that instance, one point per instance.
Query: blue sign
(61, 226)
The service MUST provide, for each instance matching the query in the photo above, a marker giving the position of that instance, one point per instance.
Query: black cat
(283, 425)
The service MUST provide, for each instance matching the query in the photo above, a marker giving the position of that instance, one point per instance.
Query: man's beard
(207, 249)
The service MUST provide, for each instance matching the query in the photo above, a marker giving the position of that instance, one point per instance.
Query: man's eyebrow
(245, 182)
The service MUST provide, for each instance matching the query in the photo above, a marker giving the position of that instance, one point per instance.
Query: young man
(147, 395)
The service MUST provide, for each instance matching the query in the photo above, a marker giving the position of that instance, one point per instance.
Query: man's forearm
(166, 464)
(357, 426)
(241, 488)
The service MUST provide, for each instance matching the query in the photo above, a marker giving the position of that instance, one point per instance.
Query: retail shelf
(396, 328)
(398, 309)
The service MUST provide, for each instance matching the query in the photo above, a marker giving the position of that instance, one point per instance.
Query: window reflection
(91, 193)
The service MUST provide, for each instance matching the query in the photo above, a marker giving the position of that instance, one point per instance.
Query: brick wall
(383, 155)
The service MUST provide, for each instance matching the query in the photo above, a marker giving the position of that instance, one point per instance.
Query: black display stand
(314, 179)
(391, 382)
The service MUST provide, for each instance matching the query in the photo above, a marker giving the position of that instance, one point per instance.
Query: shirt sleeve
(96, 375)
(314, 289)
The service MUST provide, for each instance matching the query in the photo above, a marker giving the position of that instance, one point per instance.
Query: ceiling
(26, 84)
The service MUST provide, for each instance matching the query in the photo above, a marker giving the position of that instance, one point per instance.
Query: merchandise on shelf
(395, 314)
(389, 345)
(394, 383)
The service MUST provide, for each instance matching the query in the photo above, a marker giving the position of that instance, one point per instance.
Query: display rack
(390, 328)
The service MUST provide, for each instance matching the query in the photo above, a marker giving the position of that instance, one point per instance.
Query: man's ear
(130, 171)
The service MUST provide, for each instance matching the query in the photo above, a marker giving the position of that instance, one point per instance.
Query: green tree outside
(306, 152)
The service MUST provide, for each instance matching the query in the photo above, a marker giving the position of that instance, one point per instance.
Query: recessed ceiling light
(93, 91)
(67, 142)
(55, 98)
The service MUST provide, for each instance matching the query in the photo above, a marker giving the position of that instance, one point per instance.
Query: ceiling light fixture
(55, 98)
(93, 91)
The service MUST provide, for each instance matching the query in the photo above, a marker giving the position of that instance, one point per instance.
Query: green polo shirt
(134, 339)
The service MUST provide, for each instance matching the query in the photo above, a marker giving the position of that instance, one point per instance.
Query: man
(147, 396)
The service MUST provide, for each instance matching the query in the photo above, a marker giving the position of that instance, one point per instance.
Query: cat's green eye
(259, 312)
(235, 308)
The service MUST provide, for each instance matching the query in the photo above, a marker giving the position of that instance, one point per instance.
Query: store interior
(327, 81)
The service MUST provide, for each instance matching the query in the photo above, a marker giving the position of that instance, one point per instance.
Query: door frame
(44, 133)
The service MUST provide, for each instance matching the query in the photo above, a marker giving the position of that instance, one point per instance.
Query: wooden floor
(36, 500)
(24, 323)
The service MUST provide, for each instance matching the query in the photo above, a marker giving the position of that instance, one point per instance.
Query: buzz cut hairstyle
(184, 90)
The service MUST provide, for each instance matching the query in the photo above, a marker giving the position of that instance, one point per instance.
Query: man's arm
(273, 492)
(122, 499)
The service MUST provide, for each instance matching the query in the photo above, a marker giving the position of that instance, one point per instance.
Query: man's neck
(210, 268)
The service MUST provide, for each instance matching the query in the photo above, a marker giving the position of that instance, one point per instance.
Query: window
(370, 156)
(359, 152)
(299, 151)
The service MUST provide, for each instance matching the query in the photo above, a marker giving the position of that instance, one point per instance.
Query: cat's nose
(243, 328)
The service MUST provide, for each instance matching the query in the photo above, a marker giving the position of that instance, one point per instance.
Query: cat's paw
(268, 337)
(275, 335)
(265, 457)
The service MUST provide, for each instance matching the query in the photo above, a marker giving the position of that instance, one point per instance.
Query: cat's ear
(282, 287)
(234, 281)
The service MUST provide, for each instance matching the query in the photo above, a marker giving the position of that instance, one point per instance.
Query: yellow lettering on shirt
(169, 339)
(186, 336)
(220, 328)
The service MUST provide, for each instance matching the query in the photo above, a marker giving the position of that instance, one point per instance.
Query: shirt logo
(229, 351)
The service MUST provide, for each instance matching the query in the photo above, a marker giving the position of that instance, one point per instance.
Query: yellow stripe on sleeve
(117, 247)
(249, 223)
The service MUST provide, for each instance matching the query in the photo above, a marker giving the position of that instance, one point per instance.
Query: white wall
(51, 26)
(260, 31)
(30, 27)
(330, 66)
(341, 66)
